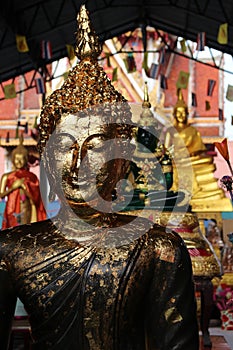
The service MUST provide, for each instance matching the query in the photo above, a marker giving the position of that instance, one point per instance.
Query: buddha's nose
(75, 156)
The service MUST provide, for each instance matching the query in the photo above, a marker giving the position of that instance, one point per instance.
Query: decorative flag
(154, 71)
(26, 128)
(35, 125)
(46, 50)
(65, 75)
(210, 87)
(17, 131)
(34, 130)
(162, 55)
(145, 64)
(163, 82)
(107, 55)
(126, 63)
(8, 137)
(223, 34)
(183, 45)
(114, 74)
(9, 91)
(182, 81)
(70, 52)
(207, 106)
(40, 86)
(229, 94)
(194, 100)
(220, 115)
(21, 43)
(130, 63)
(201, 40)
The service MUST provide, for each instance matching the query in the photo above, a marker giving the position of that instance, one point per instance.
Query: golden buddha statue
(91, 278)
(21, 187)
(182, 137)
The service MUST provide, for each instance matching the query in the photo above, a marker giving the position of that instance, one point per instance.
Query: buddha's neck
(180, 126)
(85, 225)
(87, 213)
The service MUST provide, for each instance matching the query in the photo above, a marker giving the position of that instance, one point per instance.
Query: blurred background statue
(151, 171)
(184, 136)
(21, 187)
(92, 278)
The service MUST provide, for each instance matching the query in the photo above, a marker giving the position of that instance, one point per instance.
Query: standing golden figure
(21, 187)
(91, 278)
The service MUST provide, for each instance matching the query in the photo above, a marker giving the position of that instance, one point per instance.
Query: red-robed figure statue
(21, 187)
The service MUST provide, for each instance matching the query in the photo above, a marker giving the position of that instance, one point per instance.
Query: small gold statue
(184, 137)
(21, 187)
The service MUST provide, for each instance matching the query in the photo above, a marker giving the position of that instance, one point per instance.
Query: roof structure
(55, 21)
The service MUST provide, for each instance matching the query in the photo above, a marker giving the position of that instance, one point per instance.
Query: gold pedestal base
(227, 278)
(217, 205)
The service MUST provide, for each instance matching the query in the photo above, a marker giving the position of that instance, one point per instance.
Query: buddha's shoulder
(7, 175)
(143, 229)
(191, 130)
(161, 235)
(23, 232)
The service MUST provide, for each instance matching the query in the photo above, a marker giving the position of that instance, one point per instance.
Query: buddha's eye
(96, 143)
(181, 113)
(63, 141)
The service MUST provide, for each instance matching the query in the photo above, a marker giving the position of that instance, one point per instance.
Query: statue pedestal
(218, 205)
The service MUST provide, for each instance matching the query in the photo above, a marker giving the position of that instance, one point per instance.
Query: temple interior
(116, 152)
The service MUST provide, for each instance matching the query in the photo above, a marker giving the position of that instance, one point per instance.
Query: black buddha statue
(150, 172)
(92, 278)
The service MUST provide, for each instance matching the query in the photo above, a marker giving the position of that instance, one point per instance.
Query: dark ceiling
(55, 21)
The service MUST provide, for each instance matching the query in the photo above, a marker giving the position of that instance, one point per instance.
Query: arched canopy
(55, 21)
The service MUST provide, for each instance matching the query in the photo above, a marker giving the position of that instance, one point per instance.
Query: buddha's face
(181, 115)
(146, 138)
(87, 159)
(19, 161)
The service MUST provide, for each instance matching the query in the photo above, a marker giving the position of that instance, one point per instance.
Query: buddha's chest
(68, 275)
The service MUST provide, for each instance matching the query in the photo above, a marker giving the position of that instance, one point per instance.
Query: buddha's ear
(49, 172)
(52, 186)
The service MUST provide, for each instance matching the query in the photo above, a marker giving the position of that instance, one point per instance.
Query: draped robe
(135, 296)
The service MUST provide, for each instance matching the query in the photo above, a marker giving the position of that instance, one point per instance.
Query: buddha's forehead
(18, 155)
(81, 127)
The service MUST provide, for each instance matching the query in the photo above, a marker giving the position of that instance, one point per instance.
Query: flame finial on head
(87, 43)
(20, 149)
(147, 117)
(146, 103)
(180, 100)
